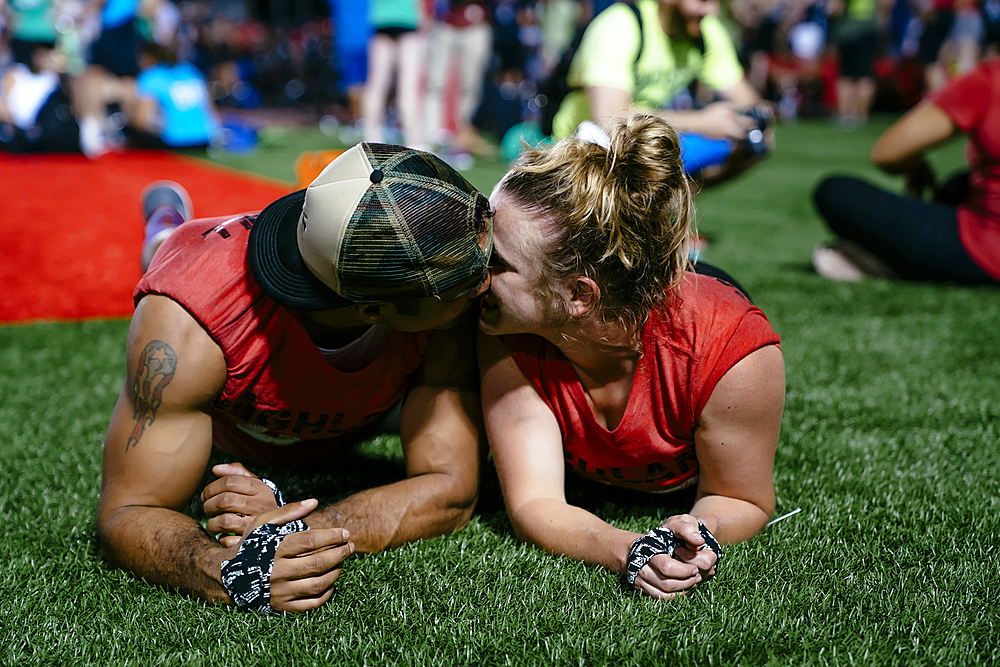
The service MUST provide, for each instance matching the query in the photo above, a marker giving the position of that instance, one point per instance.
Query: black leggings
(916, 239)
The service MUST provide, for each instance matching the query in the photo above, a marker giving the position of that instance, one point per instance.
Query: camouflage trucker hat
(380, 223)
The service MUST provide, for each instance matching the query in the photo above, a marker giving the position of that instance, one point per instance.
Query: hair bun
(646, 151)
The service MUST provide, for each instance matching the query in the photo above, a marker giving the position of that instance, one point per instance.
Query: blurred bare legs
(470, 49)
(401, 58)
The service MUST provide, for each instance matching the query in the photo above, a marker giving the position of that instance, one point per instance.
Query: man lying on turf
(276, 337)
(615, 361)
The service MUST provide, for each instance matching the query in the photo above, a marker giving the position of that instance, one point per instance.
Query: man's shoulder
(216, 236)
(162, 328)
(706, 306)
(446, 355)
(203, 266)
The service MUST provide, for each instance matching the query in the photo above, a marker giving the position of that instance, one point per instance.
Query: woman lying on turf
(956, 237)
(614, 360)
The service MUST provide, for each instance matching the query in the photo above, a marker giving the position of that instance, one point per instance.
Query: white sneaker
(847, 262)
(93, 141)
(832, 265)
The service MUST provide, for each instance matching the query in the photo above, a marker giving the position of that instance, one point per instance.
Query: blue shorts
(698, 151)
(352, 67)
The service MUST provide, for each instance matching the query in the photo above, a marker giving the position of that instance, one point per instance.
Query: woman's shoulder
(700, 293)
(707, 308)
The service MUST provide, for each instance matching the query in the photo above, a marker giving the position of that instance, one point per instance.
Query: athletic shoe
(848, 262)
(165, 207)
(165, 193)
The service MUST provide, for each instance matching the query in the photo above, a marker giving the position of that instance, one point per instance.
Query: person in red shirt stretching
(955, 237)
(601, 353)
(279, 337)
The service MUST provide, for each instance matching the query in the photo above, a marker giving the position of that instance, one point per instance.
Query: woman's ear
(584, 297)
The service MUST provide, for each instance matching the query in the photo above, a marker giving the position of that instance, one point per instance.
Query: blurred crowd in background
(449, 75)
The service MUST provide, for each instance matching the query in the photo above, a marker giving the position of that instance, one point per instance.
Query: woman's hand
(665, 577)
(693, 551)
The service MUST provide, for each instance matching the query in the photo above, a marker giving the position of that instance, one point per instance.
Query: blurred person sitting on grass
(281, 337)
(168, 105)
(640, 58)
(35, 113)
(953, 238)
(603, 354)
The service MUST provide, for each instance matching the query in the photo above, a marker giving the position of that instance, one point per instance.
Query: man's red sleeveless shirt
(282, 404)
(686, 351)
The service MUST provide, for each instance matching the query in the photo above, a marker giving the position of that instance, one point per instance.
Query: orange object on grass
(309, 165)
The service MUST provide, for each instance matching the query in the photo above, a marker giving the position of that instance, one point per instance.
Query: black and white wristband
(710, 543)
(293, 526)
(661, 540)
(247, 576)
(278, 498)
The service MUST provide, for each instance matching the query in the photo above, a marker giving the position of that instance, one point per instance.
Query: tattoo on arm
(156, 369)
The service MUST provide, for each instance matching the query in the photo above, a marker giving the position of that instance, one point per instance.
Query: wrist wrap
(278, 498)
(710, 543)
(657, 541)
(247, 576)
(661, 540)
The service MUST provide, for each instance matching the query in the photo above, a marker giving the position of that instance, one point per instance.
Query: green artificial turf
(889, 446)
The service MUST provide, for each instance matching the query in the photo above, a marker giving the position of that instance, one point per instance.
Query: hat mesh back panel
(400, 161)
(414, 234)
(443, 229)
(432, 249)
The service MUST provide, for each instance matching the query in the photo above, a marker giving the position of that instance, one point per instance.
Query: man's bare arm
(156, 450)
(155, 454)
